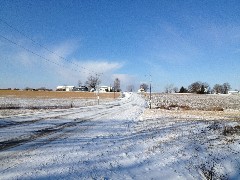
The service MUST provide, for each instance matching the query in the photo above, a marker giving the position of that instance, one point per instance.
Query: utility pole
(150, 102)
(98, 98)
(98, 76)
(114, 92)
(150, 89)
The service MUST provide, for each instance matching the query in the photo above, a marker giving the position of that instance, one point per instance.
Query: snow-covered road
(115, 141)
(59, 143)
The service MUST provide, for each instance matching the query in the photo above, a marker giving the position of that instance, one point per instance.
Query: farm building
(105, 89)
(81, 88)
(65, 88)
(233, 92)
(141, 90)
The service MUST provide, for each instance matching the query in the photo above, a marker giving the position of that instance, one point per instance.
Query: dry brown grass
(56, 94)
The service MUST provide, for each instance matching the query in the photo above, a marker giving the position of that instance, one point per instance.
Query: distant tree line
(200, 88)
(222, 89)
(29, 89)
(37, 89)
(171, 89)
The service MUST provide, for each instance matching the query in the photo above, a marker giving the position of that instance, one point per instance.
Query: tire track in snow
(105, 110)
(47, 134)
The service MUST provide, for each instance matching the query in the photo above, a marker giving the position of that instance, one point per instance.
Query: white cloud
(25, 58)
(81, 70)
(74, 69)
(52, 70)
(101, 66)
(61, 52)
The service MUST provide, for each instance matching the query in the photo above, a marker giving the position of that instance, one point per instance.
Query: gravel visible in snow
(120, 140)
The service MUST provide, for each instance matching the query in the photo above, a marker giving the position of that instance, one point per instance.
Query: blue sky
(167, 42)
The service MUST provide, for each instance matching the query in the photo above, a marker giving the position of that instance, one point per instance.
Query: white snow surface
(115, 140)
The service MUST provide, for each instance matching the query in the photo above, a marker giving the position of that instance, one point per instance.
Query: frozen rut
(29, 136)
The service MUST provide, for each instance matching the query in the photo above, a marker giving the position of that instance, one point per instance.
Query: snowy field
(197, 101)
(119, 139)
(14, 105)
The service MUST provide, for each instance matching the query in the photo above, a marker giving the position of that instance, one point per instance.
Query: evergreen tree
(183, 90)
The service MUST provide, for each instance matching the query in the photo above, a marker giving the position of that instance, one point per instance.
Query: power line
(42, 46)
(36, 54)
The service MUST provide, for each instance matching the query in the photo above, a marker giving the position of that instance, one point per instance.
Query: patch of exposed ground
(56, 94)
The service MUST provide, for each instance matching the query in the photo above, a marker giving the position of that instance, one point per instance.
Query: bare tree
(79, 83)
(117, 85)
(199, 87)
(170, 89)
(130, 88)
(195, 87)
(144, 86)
(175, 89)
(217, 88)
(226, 88)
(223, 89)
(93, 81)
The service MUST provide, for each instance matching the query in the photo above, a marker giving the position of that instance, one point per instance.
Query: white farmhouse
(141, 90)
(105, 89)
